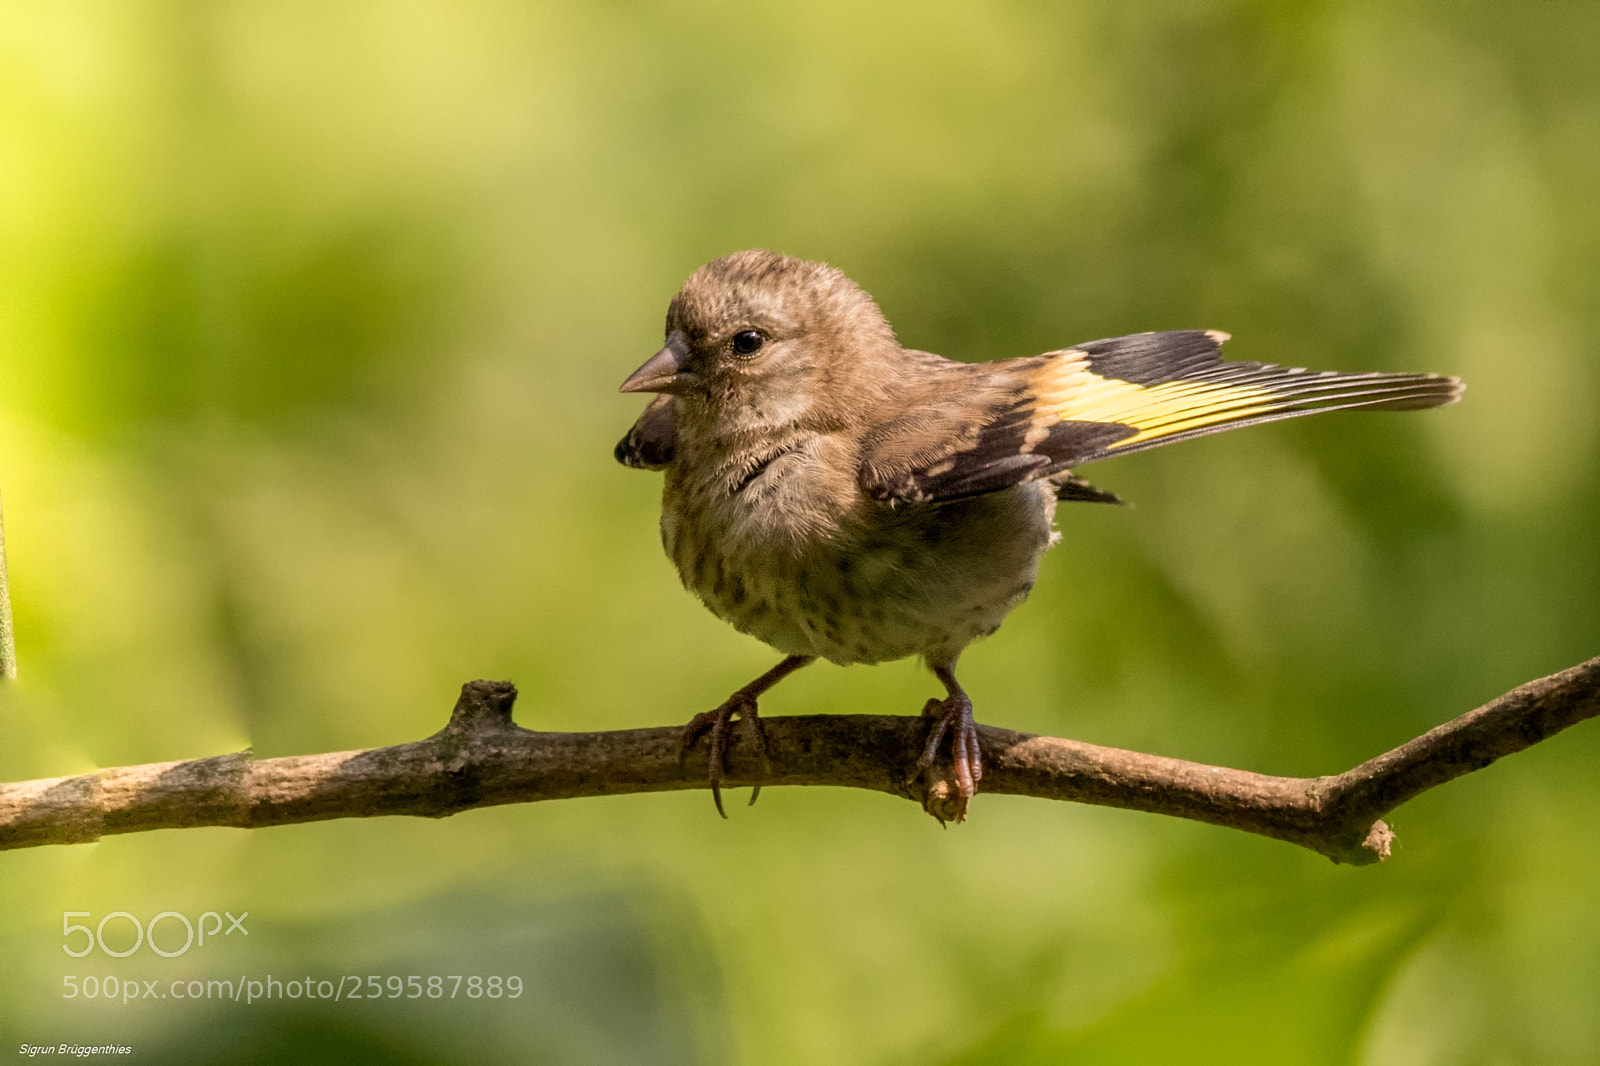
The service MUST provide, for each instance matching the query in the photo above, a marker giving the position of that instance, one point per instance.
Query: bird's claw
(720, 724)
(952, 715)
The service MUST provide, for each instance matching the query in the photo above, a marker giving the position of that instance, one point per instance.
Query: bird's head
(761, 337)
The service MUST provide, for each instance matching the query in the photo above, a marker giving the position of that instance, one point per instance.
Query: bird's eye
(748, 342)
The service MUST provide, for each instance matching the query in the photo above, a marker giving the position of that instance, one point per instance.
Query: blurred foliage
(312, 316)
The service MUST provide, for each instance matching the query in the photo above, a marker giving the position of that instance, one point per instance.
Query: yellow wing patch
(1155, 411)
(1168, 386)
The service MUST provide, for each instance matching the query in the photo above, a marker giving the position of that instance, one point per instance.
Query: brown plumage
(841, 497)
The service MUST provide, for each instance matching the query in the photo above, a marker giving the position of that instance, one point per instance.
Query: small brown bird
(841, 497)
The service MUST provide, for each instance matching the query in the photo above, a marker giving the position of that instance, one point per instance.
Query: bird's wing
(653, 440)
(1114, 397)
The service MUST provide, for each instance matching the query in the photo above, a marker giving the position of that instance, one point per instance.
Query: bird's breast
(785, 552)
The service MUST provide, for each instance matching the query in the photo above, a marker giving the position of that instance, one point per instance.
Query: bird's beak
(663, 372)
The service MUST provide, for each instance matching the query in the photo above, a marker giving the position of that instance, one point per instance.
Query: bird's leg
(953, 715)
(720, 722)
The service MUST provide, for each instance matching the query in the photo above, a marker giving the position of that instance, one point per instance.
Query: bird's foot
(720, 724)
(952, 715)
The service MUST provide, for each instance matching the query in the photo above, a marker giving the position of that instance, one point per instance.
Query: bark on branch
(481, 759)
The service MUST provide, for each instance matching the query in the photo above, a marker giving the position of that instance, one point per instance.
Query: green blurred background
(312, 318)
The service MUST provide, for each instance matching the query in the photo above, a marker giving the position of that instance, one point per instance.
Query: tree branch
(481, 759)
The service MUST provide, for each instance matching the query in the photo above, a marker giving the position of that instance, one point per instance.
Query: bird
(841, 497)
